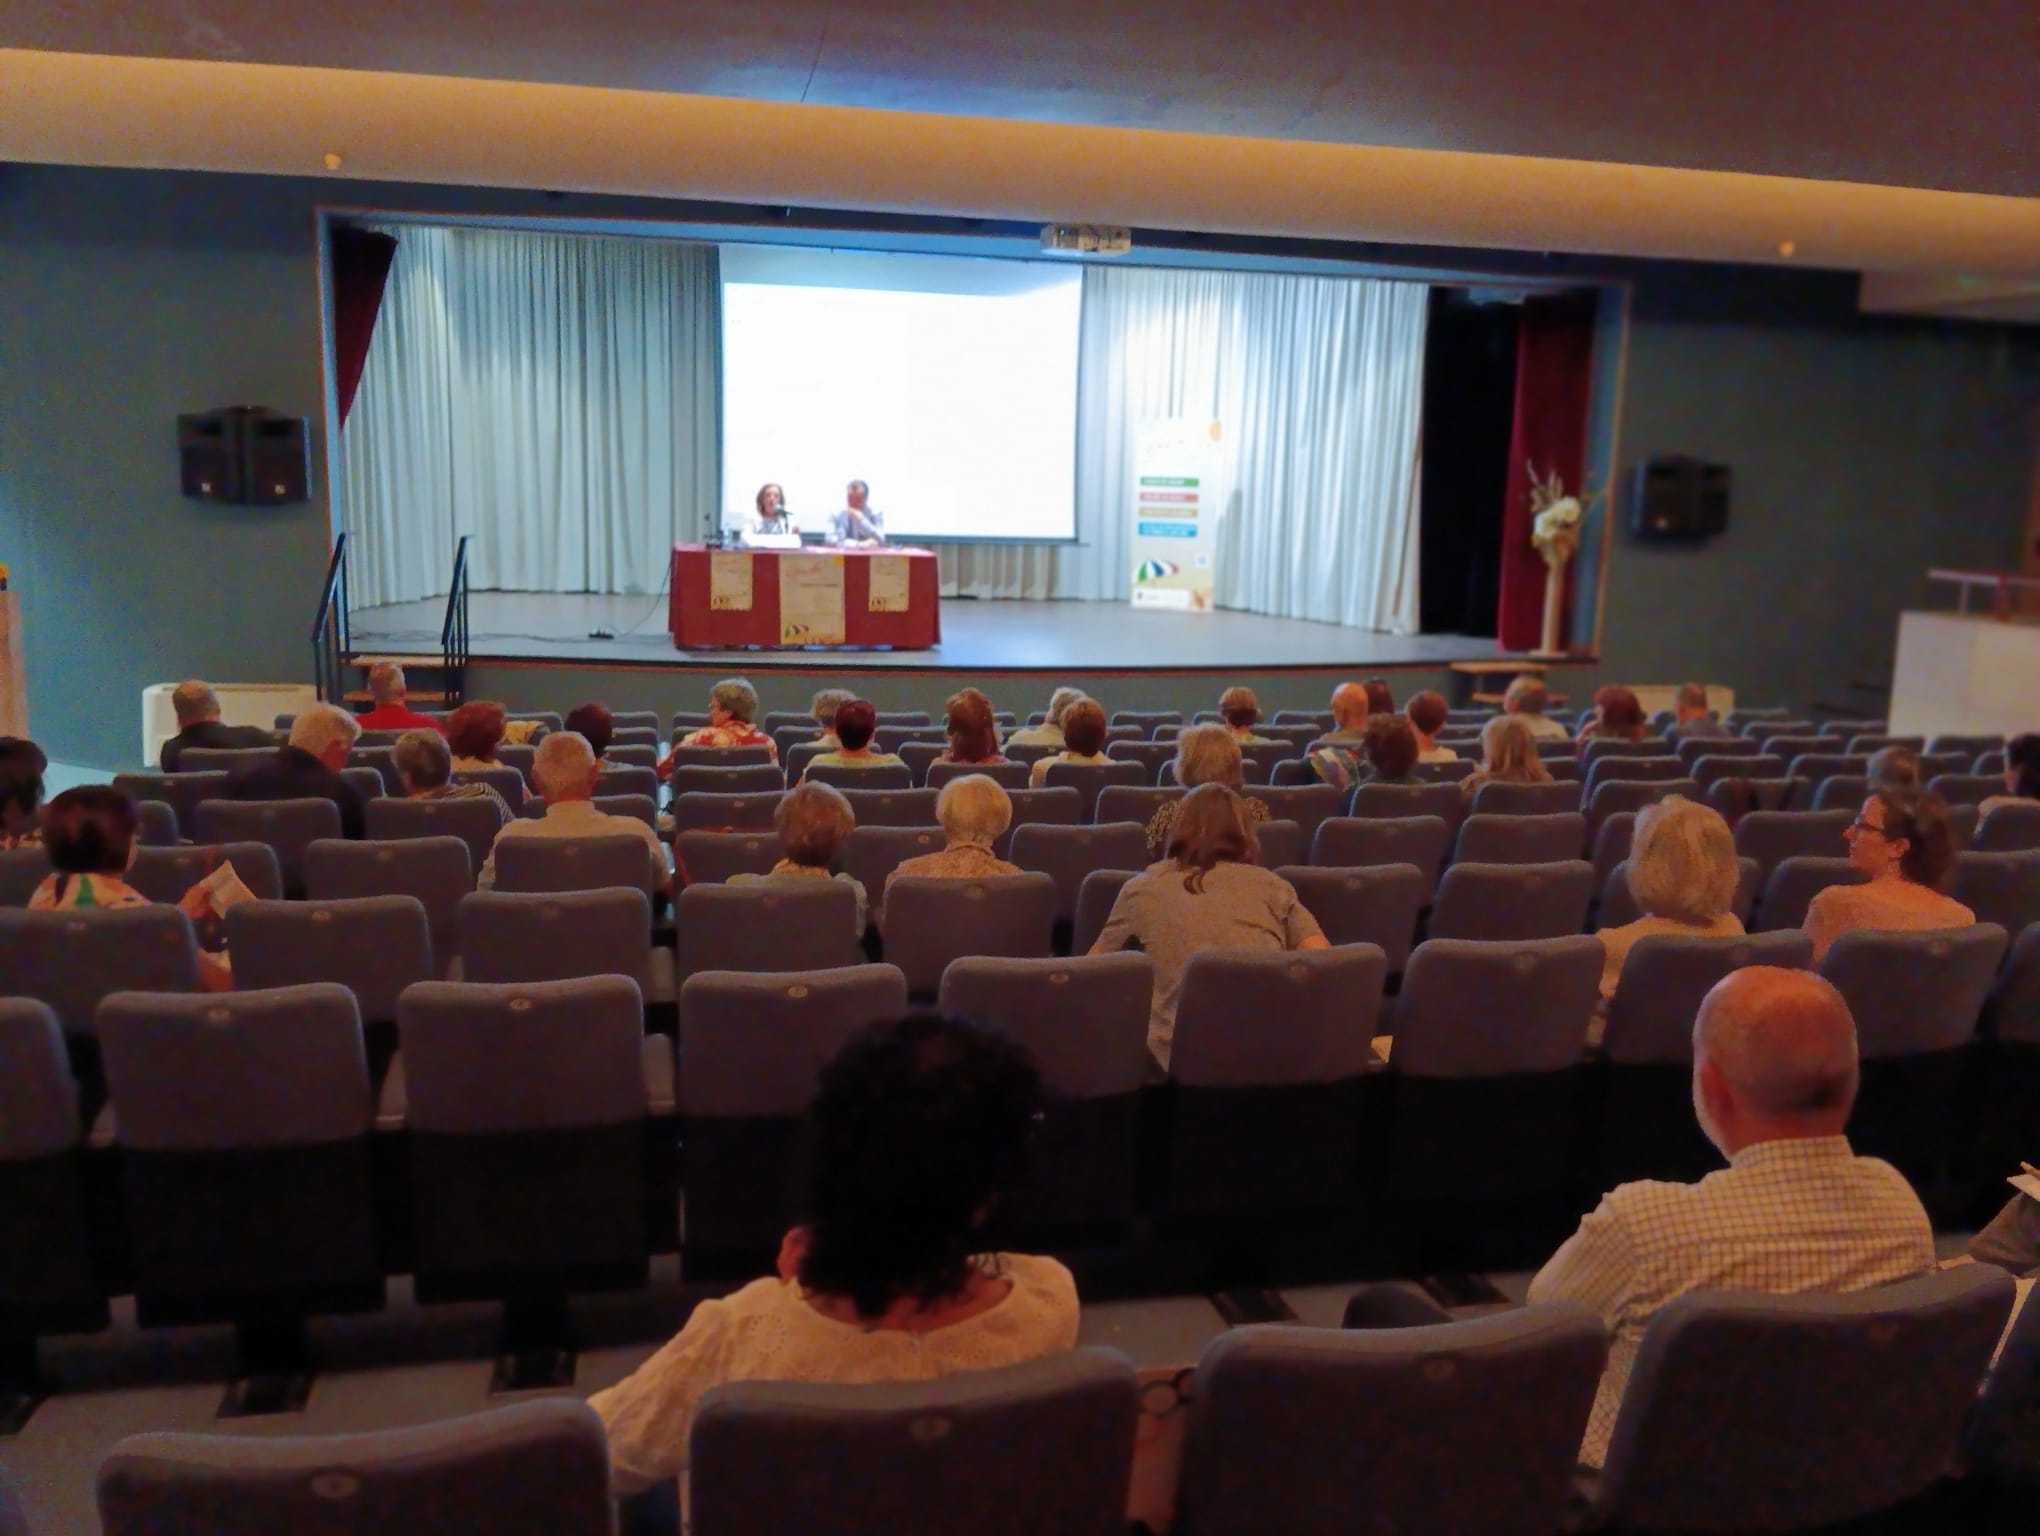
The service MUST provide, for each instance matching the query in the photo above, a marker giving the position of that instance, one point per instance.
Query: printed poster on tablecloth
(888, 583)
(1175, 501)
(811, 600)
(729, 581)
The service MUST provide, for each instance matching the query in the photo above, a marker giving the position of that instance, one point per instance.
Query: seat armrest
(394, 1106)
(657, 1053)
(105, 1132)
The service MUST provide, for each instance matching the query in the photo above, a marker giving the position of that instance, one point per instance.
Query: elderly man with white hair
(975, 811)
(1050, 732)
(392, 710)
(308, 768)
(567, 772)
(198, 725)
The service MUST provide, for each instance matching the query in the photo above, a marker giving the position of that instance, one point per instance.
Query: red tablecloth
(696, 626)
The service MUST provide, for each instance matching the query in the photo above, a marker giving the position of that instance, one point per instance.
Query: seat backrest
(533, 1469)
(155, 824)
(1771, 1413)
(1254, 1020)
(1497, 799)
(508, 936)
(1095, 898)
(22, 870)
(685, 720)
(1763, 729)
(919, 756)
(1818, 767)
(1061, 806)
(929, 923)
(891, 738)
(778, 925)
(1374, 904)
(39, 1097)
(435, 870)
(1664, 977)
(1966, 788)
(796, 750)
(914, 717)
(1090, 780)
(1359, 841)
(1792, 885)
(483, 1060)
(505, 780)
(1083, 1019)
(71, 960)
(1472, 1008)
(767, 1455)
(1877, 741)
(1067, 854)
(182, 792)
(165, 874)
(474, 821)
(288, 826)
(710, 858)
(374, 945)
(760, 778)
(1399, 801)
(1147, 719)
(873, 853)
(1770, 837)
(1129, 802)
(219, 759)
(1011, 775)
(366, 782)
(644, 808)
(874, 806)
(880, 776)
(632, 755)
(1513, 901)
(756, 1043)
(235, 1070)
(1913, 992)
(1597, 747)
(1690, 751)
(1272, 1396)
(1634, 770)
(721, 757)
(1309, 806)
(2011, 828)
(1839, 792)
(1613, 796)
(2001, 888)
(631, 779)
(548, 864)
(1711, 770)
(636, 720)
(1487, 839)
(710, 811)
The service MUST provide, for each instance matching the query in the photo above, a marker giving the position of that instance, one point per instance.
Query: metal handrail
(330, 638)
(2000, 584)
(453, 633)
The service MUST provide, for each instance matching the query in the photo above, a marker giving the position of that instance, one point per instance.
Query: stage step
(362, 696)
(366, 660)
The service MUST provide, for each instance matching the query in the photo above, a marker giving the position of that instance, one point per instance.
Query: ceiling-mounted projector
(1086, 239)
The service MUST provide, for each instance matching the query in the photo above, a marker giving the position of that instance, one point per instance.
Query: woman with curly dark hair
(919, 1129)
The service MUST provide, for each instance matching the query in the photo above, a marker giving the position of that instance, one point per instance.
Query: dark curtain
(1469, 400)
(361, 265)
(1554, 362)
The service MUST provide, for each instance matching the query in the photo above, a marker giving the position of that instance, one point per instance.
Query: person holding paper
(859, 525)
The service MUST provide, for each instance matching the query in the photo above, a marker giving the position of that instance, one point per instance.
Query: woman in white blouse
(919, 1128)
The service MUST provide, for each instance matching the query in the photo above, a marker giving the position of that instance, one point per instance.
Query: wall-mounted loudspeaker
(1675, 499)
(245, 454)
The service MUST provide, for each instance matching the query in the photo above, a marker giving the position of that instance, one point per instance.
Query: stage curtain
(361, 265)
(555, 395)
(1554, 364)
(1319, 382)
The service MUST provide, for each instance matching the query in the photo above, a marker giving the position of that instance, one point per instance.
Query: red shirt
(394, 717)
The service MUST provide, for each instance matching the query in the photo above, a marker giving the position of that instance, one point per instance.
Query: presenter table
(852, 599)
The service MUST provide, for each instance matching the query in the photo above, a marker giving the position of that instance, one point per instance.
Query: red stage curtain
(361, 265)
(1554, 361)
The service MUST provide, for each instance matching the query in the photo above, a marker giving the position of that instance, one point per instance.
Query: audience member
(1903, 843)
(1426, 714)
(1208, 893)
(1205, 754)
(594, 724)
(307, 768)
(1683, 873)
(2022, 774)
(1508, 755)
(856, 723)
(1391, 752)
(89, 838)
(825, 704)
(1379, 700)
(21, 792)
(567, 774)
(1241, 711)
(198, 725)
(973, 731)
(1527, 698)
(1617, 716)
(1691, 718)
(1050, 732)
(918, 1131)
(1349, 718)
(814, 822)
(732, 706)
(1774, 1079)
(473, 733)
(392, 710)
(974, 811)
(424, 764)
(1895, 768)
(1083, 733)
(2011, 1240)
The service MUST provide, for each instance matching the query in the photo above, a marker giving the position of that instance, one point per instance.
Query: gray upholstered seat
(1818, 767)
(1770, 837)
(876, 806)
(1280, 1415)
(629, 778)
(219, 759)
(1374, 904)
(434, 870)
(1691, 751)
(1498, 799)
(1011, 775)
(21, 871)
(1839, 792)
(710, 858)
(474, 821)
(783, 925)
(375, 946)
(1061, 806)
(929, 923)
(893, 776)
(1617, 795)
(1152, 756)
(182, 792)
(1513, 901)
(1090, 780)
(874, 852)
(1277, 843)
(545, 865)
(1399, 801)
(709, 811)
(1966, 788)
(155, 825)
(1355, 841)
(517, 937)
(1595, 748)
(721, 757)
(1546, 839)
(166, 874)
(1711, 769)
(71, 960)
(1775, 1413)
(1309, 806)
(288, 826)
(766, 1456)
(2001, 888)
(624, 721)
(505, 780)
(1129, 802)
(1067, 854)
(1095, 898)
(1147, 719)
(759, 778)
(2011, 828)
(1634, 770)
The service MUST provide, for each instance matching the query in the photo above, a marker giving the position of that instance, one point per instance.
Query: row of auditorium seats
(1887, 1409)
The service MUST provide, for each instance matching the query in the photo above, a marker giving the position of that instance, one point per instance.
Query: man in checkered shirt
(1774, 1078)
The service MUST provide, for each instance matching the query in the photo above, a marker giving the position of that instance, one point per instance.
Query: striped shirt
(1785, 1217)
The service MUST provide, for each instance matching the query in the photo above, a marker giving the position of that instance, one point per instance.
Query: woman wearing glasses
(1902, 844)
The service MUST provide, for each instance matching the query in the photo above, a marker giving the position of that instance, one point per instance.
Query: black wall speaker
(1679, 500)
(245, 454)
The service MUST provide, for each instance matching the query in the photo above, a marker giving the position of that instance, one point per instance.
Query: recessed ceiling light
(1787, 247)
(332, 160)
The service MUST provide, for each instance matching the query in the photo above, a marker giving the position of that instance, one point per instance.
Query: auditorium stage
(977, 637)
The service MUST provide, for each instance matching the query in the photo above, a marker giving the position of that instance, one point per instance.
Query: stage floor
(977, 636)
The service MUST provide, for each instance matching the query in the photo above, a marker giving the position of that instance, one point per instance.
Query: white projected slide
(947, 383)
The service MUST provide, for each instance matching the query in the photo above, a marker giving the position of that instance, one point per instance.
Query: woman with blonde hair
(1508, 755)
(1683, 873)
(814, 821)
(1205, 754)
(1207, 894)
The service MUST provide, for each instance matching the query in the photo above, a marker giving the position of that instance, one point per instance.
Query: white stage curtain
(1319, 382)
(555, 395)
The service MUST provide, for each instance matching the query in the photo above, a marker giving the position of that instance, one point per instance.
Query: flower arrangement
(1555, 518)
